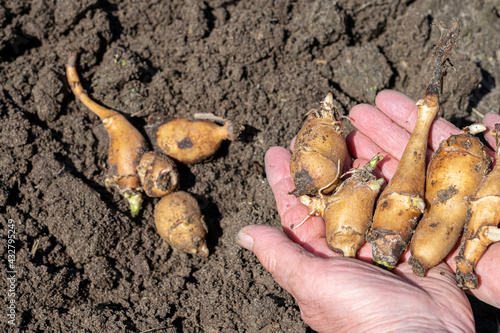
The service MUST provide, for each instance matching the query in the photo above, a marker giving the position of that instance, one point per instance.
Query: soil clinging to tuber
(401, 203)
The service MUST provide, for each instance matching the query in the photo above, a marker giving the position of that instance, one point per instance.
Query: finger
(385, 133)
(311, 234)
(403, 111)
(490, 119)
(488, 272)
(277, 253)
(361, 147)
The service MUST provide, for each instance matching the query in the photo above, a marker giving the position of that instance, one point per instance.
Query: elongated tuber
(453, 174)
(158, 174)
(483, 224)
(191, 141)
(179, 221)
(320, 152)
(126, 144)
(401, 203)
(348, 212)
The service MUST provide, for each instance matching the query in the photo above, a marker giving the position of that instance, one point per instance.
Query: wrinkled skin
(337, 294)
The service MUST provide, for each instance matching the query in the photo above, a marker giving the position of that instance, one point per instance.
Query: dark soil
(83, 262)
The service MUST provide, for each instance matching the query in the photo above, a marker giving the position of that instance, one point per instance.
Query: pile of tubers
(135, 170)
(427, 207)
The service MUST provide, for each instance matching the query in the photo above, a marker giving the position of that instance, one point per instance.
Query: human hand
(343, 294)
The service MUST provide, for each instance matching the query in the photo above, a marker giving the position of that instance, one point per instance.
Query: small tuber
(179, 221)
(191, 141)
(158, 174)
(483, 224)
(453, 174)
(348, 212)
(401, 203)
(320, 152)
(126, 144)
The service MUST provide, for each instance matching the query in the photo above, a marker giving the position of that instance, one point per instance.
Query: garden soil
(83, 263)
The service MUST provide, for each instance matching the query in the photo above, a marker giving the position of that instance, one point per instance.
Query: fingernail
(244, 240)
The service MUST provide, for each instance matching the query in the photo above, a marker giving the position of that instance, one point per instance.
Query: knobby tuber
(320, 152)
(179, 221)
(158, 174)
(482, 226)
(401, 203)
(348, 212)
(126, 143)
(191, 141)
(453, 174)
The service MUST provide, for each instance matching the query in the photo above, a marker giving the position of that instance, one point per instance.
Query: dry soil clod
(401, 203)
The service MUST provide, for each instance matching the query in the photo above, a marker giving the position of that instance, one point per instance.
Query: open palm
(342, 294)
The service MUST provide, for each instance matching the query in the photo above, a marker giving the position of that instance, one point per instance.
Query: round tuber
(320, 152)
(179, 221)
(158, 174)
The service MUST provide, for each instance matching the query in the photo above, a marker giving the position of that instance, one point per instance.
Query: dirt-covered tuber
(179, 221)
(453, 174)
(158, 174)
(483, 224)
(192, 141)
(402, 202)
(348, 212)
(320, 152)
(126, 143)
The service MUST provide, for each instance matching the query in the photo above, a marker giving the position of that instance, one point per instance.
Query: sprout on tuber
(453, 174)
(320, 152)
(179, 221)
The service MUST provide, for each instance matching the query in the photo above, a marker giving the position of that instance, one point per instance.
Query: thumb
(283, 258)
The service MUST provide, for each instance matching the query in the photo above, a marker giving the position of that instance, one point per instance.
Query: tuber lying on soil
(482, 226)
(453, 174)
(179, 221)
(401, 203)
(348, 212)
(320, 152)
(158, 174)
(191, 141)
(126, 144)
